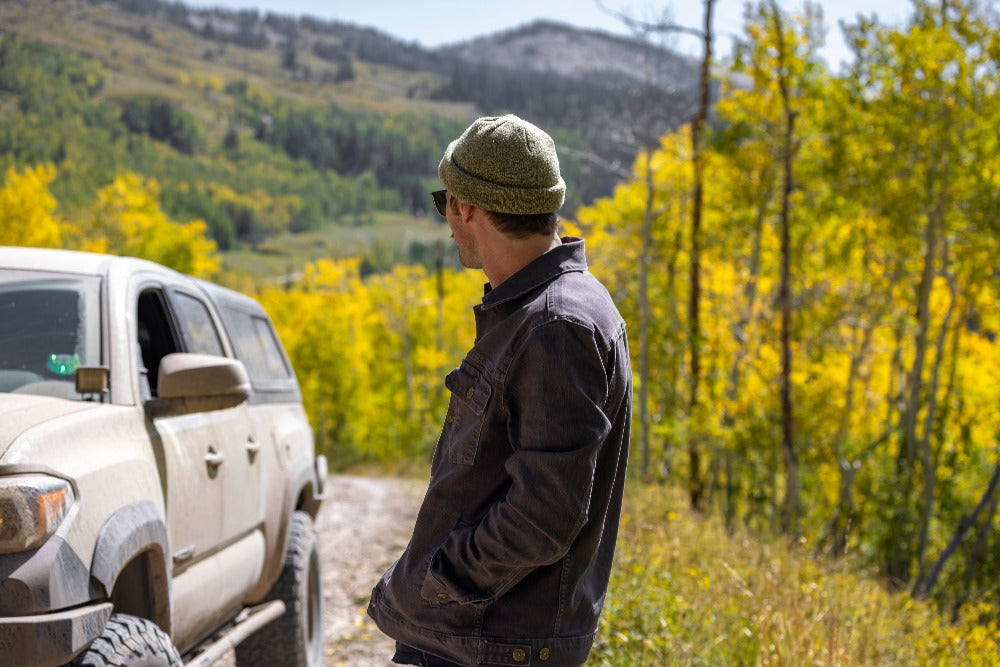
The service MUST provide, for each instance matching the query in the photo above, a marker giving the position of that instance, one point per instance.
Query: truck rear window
(256, 346)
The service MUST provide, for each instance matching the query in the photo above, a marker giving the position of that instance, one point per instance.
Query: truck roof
(64, 261)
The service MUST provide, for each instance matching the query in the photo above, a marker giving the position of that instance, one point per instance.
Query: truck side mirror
(91, 380)
(191, 383)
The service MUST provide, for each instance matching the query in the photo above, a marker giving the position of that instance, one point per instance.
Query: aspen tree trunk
(939, 178)
(645, 261)
(673, 390)
(927, 461)
(789, 509)
(408, 370)
(439, 292)
(696, 484)
(747, 317)
(944, 413)
(901, 554)
(838, 529)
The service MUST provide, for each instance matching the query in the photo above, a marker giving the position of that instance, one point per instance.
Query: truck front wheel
(129, 641)
(294, 639)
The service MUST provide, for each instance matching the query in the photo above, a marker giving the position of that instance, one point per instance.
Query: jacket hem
(473, 650)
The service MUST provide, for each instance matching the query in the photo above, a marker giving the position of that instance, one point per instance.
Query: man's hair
(517, 225)
(520, 226)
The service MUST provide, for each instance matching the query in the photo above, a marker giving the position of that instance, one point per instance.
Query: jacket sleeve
(554, 397)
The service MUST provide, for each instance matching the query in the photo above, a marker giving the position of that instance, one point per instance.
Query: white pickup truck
(158, 478)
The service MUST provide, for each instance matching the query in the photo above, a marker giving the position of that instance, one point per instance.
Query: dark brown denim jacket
(512, 547)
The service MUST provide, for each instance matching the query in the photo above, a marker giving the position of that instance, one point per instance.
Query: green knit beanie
(506, 165)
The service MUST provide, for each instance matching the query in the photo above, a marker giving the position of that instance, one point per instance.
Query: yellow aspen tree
(126, 219)
(924, 92)
(28, 209)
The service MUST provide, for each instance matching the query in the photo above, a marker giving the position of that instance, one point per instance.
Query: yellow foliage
(856, 269)
(212, 82)
(126, 219)
(272, 213)
(371, 355)
(27, 208)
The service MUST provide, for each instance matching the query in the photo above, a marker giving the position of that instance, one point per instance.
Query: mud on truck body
(158, 479)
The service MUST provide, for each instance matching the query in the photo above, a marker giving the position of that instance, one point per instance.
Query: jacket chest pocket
(463, 427)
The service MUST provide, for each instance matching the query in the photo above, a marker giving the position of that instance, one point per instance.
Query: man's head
(509, 168)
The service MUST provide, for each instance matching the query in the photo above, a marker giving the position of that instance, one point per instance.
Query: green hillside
(290, 137)
(96, 91)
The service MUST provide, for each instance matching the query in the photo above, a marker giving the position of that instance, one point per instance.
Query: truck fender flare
(301, 478)
(305, 488)
(136, 529)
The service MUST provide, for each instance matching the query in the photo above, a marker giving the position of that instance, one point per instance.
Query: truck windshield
(49, 326)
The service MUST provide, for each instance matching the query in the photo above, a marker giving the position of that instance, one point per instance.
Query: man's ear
(466, 210)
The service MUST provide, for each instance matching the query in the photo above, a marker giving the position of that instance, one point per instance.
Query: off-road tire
(294, 639)
(128, 641)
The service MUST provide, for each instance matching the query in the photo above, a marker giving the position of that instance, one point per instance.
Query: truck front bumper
(45, 640)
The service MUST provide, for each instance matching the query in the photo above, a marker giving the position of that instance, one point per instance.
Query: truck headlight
(31, 508)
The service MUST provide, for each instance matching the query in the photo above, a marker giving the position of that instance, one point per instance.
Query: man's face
(468, 253)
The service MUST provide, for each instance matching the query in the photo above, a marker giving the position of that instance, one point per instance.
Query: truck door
(184, 443)
(236, 445)
(184, 446)
(216, 555)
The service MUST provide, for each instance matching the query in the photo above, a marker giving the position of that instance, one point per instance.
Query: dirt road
(363, 526)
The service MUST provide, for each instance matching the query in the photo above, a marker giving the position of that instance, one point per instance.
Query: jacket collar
(570, 256)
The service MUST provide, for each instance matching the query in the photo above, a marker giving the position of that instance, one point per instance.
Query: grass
(684, 592)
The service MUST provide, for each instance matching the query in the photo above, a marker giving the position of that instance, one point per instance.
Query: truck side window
(156, 336)
(196, 325)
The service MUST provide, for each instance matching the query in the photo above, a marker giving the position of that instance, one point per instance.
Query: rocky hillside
(587, 82)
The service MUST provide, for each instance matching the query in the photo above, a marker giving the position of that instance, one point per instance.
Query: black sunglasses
(440, 201)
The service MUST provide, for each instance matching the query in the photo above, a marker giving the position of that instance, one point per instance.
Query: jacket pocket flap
(470, 387)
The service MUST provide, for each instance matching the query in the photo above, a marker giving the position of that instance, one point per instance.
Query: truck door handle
(184, 554)
(253, 448)
(213, 460)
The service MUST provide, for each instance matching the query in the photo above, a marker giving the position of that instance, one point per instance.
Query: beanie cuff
(497, 197)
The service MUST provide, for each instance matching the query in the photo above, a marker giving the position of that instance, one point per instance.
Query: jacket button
(451, 416)
(544, 654)
(470, 393)
(443, 597)
(519, 655)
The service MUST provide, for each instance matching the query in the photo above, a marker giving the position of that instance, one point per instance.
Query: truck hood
(19, 412)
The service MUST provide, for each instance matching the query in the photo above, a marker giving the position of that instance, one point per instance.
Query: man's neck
(508, 256)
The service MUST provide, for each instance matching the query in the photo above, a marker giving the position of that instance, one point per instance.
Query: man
(512, 547)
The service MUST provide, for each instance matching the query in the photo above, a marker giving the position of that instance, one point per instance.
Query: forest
(357, 165)
(816, 360)
(273, 111)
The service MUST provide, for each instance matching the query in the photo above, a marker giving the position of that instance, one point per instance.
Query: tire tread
(129, 640)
